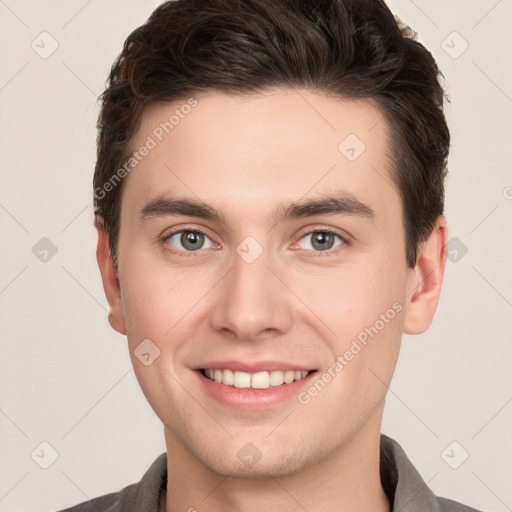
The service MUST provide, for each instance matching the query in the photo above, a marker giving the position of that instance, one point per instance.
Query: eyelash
(185, 254)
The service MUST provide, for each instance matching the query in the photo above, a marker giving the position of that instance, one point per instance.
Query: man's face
(251, 294)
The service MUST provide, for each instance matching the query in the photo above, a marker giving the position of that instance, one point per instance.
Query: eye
(322, 240)
(190, 240)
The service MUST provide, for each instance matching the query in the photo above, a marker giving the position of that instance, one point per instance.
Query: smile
(258, 380)
(254, 385)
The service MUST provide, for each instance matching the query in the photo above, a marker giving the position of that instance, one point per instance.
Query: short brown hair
(347, 48)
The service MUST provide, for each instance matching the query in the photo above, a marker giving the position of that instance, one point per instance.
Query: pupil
(191, 238)
(323, 239)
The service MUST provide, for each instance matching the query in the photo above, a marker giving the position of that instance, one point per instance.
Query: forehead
(246, 152)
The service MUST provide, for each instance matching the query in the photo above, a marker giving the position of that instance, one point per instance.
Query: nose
(252, 302)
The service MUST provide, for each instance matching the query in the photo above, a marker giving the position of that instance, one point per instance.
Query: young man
(269, 197)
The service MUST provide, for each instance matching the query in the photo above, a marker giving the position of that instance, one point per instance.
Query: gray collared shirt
(401, 481)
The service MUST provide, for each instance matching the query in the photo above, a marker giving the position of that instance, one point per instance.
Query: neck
(348, 480)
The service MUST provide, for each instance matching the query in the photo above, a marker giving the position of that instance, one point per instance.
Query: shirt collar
(402, 483)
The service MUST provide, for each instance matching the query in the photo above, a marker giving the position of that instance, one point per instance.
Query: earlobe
(110, 279)
(426, 280)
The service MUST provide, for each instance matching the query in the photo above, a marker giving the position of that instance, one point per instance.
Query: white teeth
(259, 380)
(289, 376)
(241, 380)
(276, 378)
(228, 377)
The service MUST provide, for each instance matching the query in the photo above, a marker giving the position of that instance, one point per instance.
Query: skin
(244, 155)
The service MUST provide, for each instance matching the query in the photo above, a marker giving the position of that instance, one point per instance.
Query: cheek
(346, 300)
(155, 298)
(156, 307)
(363, 307)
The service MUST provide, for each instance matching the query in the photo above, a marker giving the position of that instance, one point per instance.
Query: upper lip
(254, 366)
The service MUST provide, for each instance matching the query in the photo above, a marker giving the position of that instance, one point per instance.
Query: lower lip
(253, 399)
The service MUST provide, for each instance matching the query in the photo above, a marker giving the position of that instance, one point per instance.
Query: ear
(425, 280)
(110, 279)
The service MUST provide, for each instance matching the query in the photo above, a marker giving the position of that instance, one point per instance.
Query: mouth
(258, 380)
(265, 386)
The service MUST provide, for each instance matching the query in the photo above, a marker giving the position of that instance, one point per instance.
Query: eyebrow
(341, 203)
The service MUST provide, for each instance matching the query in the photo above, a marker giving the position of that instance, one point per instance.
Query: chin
(262, 466)
(259, 471)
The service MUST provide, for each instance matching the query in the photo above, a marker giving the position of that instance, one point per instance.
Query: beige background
(66, 376)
